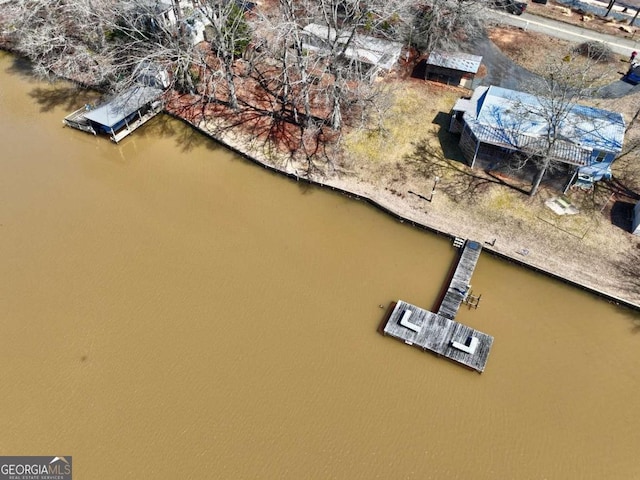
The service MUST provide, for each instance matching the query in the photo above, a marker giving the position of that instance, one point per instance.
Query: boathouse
(497, 124)
(121, 115)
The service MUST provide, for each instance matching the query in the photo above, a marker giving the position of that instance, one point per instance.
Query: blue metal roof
(515, 119)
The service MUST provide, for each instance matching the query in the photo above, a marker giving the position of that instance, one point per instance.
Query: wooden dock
(77, 120)
(460, 286)
(439, 335)
(137, 122)
(439, 332)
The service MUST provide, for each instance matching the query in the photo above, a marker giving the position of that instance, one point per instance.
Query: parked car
(510, 6)
(632, 76)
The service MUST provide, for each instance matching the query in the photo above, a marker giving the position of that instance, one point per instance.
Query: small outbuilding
(457, 69)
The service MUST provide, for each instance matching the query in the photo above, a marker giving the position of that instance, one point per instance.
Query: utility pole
(611, 4)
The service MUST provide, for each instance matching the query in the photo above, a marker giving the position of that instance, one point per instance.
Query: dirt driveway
(511, 62)
(501, 70)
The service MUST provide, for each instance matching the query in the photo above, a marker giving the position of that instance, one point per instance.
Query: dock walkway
(439, 332)
(460, 282)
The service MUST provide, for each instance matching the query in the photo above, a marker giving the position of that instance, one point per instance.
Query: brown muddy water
(170, 310)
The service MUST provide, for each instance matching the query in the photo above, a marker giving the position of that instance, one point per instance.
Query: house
(377, 53)
(496, 124)
(169, 15)
(457, 69)
(157, 9)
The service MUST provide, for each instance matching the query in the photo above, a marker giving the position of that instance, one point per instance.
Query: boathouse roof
(123, 105)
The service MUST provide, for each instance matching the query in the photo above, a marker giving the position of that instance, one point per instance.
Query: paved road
(565, 31)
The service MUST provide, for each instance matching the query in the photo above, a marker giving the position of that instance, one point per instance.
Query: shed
(457, 69)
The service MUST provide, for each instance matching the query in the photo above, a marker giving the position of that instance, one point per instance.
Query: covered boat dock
(121, 115)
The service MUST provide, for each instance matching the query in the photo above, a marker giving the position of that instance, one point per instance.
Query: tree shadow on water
(185, 136)
(53, 94)
(64, 96)
(23, 67)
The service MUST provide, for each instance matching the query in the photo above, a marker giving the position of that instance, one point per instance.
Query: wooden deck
(439, 332)
(439, 335)
(135, 124)
(460, 282)
(77, 120)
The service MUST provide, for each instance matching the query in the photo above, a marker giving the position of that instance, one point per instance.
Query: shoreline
(385, 207)
(437, 220)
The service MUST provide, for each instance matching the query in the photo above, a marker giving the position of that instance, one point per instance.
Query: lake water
(170, 310)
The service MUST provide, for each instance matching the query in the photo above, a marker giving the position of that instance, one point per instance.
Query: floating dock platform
(439, 332)
(430, 331)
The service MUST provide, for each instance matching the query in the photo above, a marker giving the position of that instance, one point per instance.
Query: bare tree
(63, 37)
(446, 23)
(102, 42)
(626, 172)
(542, 127)
(331, 46)
(231, 35)
(150, 33)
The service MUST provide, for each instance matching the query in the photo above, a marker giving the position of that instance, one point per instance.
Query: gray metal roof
(374, 51)
(463, 62)
(123, 105)
(508, 118)
(155, 5)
